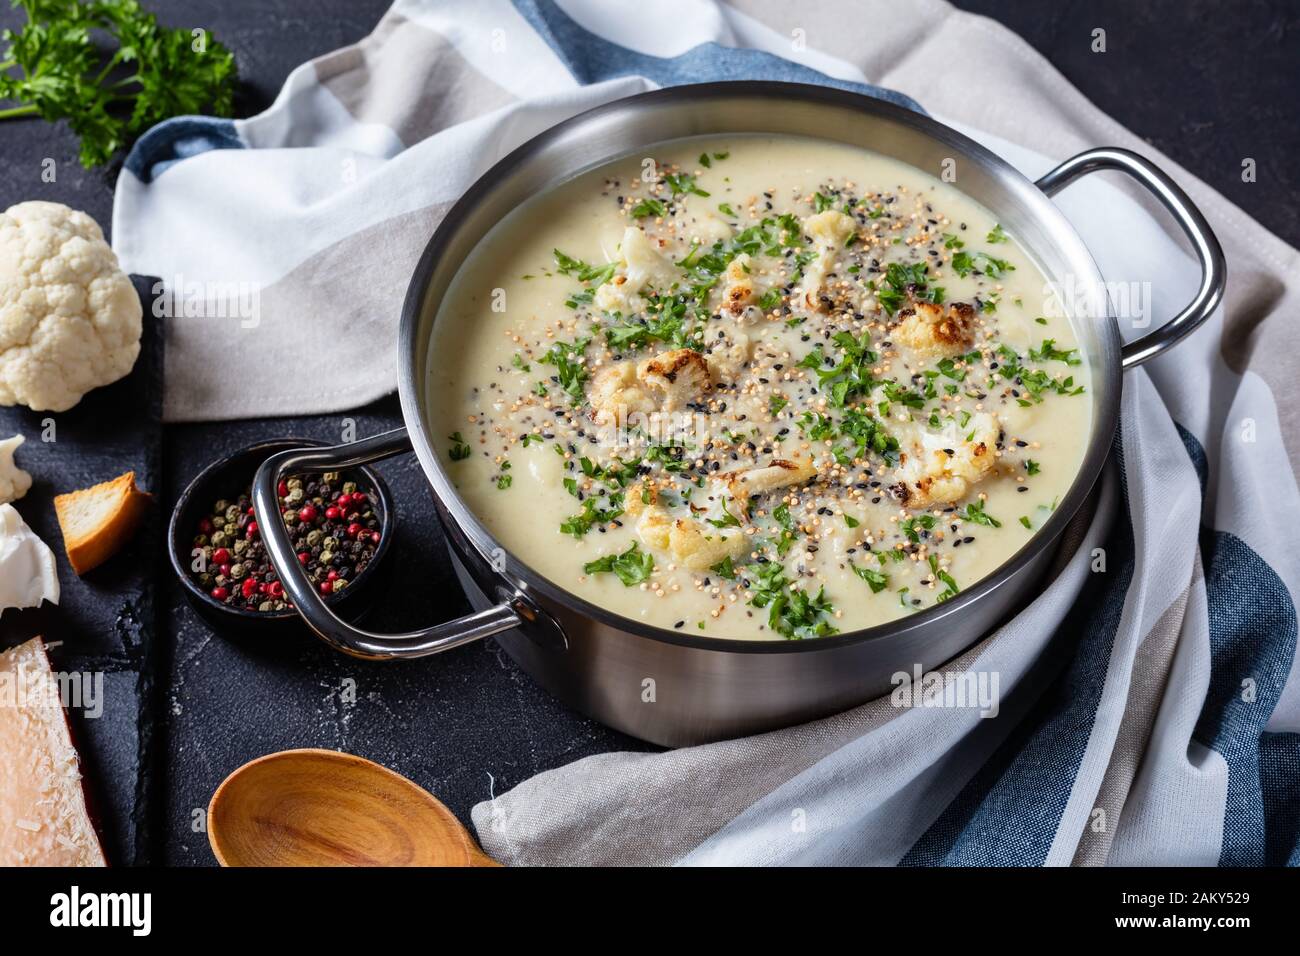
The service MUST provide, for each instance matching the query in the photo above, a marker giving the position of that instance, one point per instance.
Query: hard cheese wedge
(43, 816)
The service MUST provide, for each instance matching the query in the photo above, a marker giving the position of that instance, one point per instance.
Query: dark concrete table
(186, 706)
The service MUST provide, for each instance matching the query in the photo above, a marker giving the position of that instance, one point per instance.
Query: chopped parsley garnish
(963, 263)
(571, 371)
(975, 513)
(1032, 466)
(649, 207)
(944, 578)
(776, 403)
(504, 480)
(876, 580)
(459, 449)
(1048, 352)
(791, 613)
(632, 566)
(592, 514)
(725, 569)
(904, 280)
(683, 183)
(582, 271)
(996, 235)
(917, 525)
(728, 520)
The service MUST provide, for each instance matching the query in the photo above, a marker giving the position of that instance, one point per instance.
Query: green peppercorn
(237, 571)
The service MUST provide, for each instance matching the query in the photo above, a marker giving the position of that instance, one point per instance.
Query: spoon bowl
(326, 808)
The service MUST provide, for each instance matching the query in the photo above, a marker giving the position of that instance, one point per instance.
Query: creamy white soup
(757, 387)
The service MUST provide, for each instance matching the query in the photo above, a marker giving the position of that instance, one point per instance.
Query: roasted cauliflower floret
(682, 376)
(942, 467)
(781, 473)
(690, 543)
(662, 383)
(616, 393)
(738, 290)
(934, 331)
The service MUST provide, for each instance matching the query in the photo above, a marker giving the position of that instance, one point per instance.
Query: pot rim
(412, 360)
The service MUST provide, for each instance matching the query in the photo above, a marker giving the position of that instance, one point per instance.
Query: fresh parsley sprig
(110, 71)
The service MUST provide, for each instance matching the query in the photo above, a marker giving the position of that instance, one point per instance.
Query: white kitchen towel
(1150, 710)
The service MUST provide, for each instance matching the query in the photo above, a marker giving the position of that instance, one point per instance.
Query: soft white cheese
(14, 482)
(27, 573)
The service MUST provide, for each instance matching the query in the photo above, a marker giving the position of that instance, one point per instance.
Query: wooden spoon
(325, 808)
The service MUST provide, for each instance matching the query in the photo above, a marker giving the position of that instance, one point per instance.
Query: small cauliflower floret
(933, 331)
(781, 473)
(642, 266)
(689, 542)
(738, 291)
(942, 467)
(830, 228)
(616, 296)
(710, 228)
(682, 375)
(69, 317)
(14, 482)
(616, 393)
(644, 262)
(729, 356)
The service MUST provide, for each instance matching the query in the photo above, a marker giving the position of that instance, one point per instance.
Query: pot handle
(329, 627)
(1197, 230)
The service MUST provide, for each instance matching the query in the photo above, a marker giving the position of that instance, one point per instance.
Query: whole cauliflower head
(70, 319)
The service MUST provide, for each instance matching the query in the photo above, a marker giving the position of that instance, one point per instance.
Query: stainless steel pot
(708, 688)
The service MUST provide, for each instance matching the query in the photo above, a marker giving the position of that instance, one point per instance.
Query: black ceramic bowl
(230, 477)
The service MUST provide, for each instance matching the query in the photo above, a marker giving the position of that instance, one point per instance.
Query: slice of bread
(96, 522)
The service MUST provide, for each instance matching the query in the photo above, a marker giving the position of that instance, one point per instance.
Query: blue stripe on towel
(591, 59)
(1252, 646)
(1008, 813)
(1279, 778)
(1253, 633)
(180, 138)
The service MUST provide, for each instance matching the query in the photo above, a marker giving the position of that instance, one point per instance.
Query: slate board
(105, 621)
